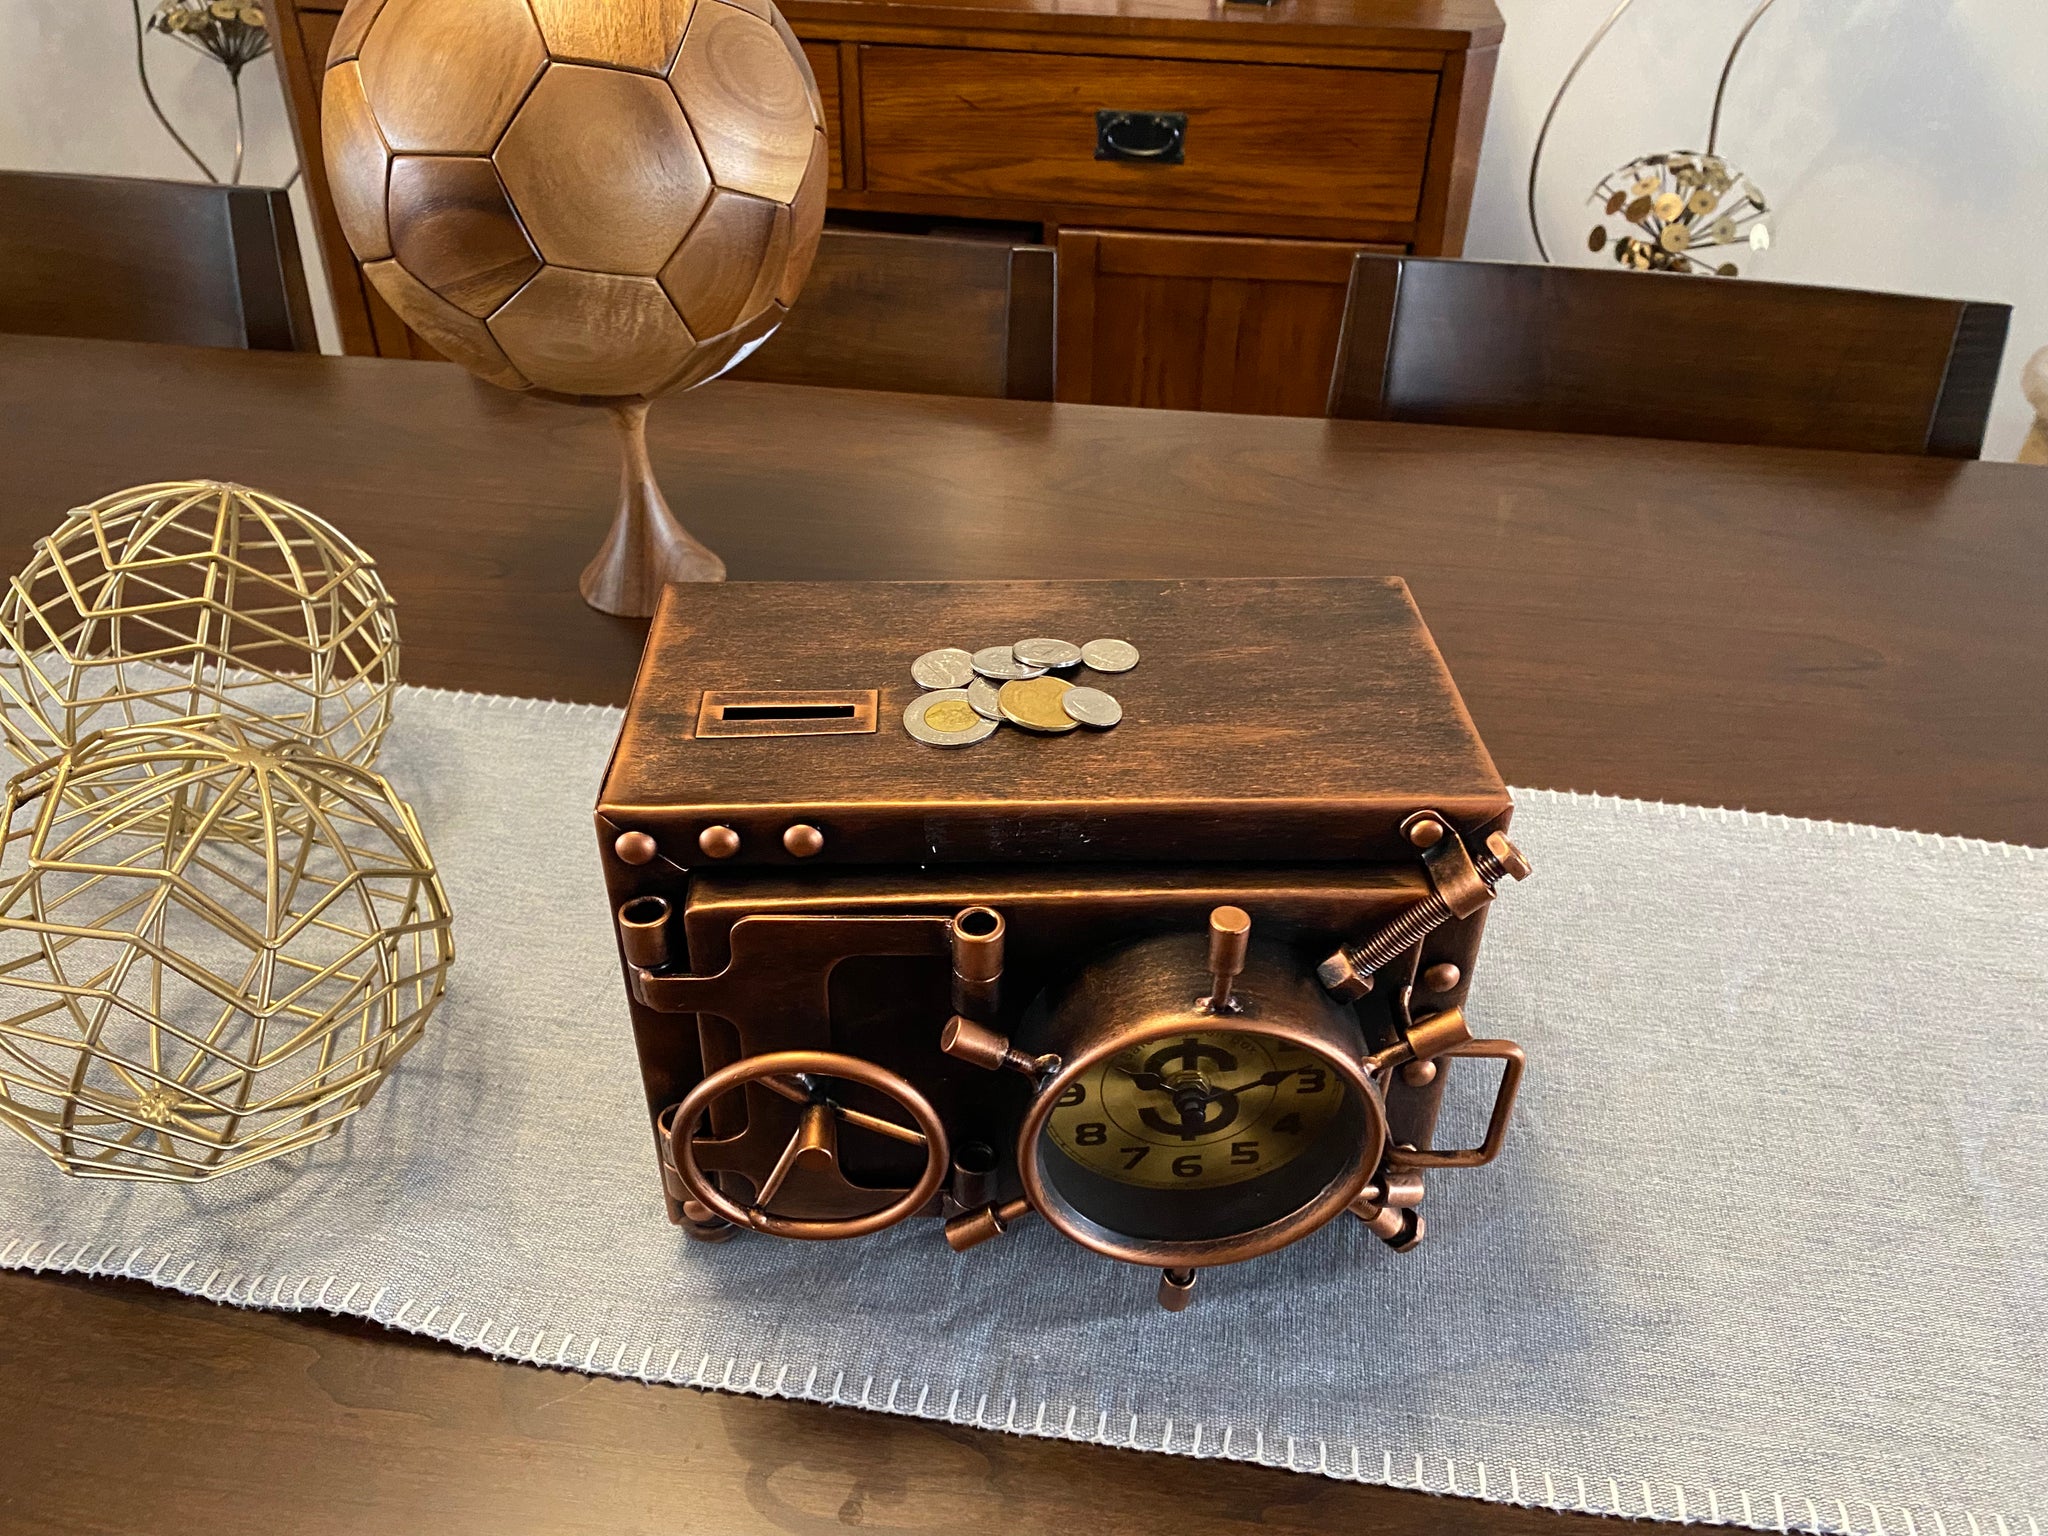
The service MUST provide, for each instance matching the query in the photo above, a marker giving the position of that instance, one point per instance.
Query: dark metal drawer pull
(1159, 138)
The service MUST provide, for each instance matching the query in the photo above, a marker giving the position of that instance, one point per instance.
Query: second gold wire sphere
(197, 598)
(214, 945)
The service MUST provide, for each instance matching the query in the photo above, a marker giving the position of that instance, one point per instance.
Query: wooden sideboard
(1204, 168)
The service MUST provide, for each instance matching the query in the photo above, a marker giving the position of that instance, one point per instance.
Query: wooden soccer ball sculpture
(598, 200)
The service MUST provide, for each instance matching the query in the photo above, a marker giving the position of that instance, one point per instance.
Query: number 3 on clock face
(1196, 1111)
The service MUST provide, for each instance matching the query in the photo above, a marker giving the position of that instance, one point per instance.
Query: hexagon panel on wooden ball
(594, 198)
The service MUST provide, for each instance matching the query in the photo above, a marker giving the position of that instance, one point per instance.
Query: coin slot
(788, 712)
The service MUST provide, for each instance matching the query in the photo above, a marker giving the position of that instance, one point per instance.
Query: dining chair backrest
(924, 314)
(1648, 354)
(129, 259)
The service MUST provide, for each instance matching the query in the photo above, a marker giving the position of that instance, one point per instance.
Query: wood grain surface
(732, 265)
(993, 125)
(357, 163)
(1573, 349)
(444, 76)
(745, 92)
(593, 333)
(453, 228)
(1191, 323)
(633, 34)
(457, 335)
(604, 169)
(1826, 634)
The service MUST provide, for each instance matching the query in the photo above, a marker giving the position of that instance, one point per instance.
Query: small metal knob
(1442, 978)
(803, 840)
(1423, 830)
(1176, 1289)
(635, 848)
(718, 842)
(1230, 936)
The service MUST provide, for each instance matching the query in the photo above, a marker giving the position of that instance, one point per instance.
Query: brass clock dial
(1203, 1110)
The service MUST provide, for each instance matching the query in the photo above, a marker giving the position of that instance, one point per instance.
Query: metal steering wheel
(793, 1075)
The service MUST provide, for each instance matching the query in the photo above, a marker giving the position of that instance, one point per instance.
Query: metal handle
(1510, 1055)
(793, 1074)
(1157, 138)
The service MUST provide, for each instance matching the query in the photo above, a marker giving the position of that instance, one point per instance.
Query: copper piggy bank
(1186, 988)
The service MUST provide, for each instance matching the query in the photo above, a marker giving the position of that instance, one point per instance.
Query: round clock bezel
(1199, 1253)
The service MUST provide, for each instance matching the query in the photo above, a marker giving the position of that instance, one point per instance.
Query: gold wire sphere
(1676, 212)
(214, 947)
(191, 599)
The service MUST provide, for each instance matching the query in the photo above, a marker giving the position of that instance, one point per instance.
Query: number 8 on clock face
(1196, 1111)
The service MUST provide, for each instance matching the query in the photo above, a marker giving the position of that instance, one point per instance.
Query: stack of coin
(974, 692)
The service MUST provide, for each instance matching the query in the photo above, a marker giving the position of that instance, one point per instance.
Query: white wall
(1903, 144)
(69, 101)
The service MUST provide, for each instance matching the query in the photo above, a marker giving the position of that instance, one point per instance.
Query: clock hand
(1272, 1079)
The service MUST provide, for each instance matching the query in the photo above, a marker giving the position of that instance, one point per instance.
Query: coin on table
(1110, 655)
(947, 668)
(1053, 655)
(1091, 706)
(1668, 205)
(981, 693)
(1034, 703)
(1000, 663)
(944, 718)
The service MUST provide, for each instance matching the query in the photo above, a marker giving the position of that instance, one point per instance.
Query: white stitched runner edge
(1598, 1494)
(1539, 1488)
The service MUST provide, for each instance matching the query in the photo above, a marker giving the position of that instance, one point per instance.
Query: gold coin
(952, 715)
(1675, 237)
(1598, 238)
(1638, 210)
(1701, 201)
(1616, 203)
(1645, 187)
(1669, 205)
(1034, 703)
(1724, 231)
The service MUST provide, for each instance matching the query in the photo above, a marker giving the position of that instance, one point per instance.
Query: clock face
(1203, 1110)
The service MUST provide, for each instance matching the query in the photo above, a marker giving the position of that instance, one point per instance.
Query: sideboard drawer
(1258, 137)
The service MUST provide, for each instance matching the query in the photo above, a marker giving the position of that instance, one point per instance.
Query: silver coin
(946, 701)
(981, 693)
(998, 662)
(1091, 706)
(947, 668)
(1055, 655)
(1110, 655)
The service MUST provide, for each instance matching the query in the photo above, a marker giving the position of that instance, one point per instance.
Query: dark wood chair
(925, 314)
(1647, 354)
(125, 259)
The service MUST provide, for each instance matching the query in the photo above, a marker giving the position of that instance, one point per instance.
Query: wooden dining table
(1829, 635)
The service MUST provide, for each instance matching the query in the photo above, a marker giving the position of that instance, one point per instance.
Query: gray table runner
(1766, 1247)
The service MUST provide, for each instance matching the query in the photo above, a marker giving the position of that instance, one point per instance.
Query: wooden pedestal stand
(646, 548)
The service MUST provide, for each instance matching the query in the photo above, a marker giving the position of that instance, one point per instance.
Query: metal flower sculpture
(228, 31)
(213, 946)
(1676, 206)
